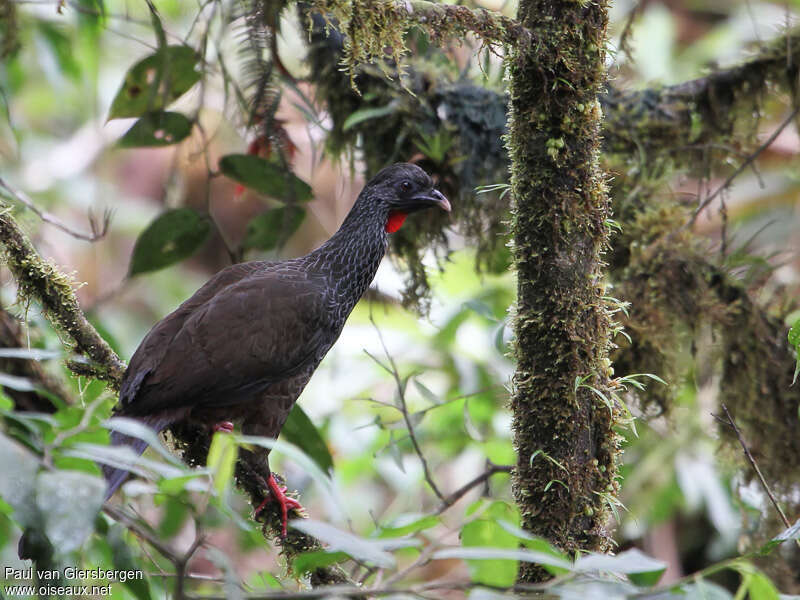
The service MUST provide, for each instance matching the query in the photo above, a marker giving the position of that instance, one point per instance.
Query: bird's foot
(278, 493)
(224, 427)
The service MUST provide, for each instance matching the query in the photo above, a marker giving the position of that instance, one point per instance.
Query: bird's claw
(278, 493)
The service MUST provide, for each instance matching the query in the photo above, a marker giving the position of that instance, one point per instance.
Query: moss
(562, 324)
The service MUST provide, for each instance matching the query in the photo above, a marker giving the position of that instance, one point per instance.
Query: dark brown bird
(243, 347)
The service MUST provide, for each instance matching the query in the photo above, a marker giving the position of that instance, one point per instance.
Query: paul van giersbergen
(74, 573)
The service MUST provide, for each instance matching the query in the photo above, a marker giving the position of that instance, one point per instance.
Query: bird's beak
(433, 197)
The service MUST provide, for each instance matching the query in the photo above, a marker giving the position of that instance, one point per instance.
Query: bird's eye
(406, 186)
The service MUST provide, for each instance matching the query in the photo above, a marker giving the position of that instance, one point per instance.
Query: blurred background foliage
(76, 140)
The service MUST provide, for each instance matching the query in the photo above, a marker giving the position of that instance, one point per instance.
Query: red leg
(277, 493)
(224, 427)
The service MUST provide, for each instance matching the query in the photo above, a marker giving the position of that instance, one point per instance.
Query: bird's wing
(154, 346)
(259, 330)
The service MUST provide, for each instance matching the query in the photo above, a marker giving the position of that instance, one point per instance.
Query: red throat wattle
(395, 221)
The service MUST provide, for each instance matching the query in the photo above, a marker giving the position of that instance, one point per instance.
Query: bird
(244, 346)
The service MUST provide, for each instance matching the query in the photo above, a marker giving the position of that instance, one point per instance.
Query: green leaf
(157, 129)
(485, 531)
(411, 524)
(69, 502)
(173, 236)
(794, 340)
(316, 559)
(30, 353)
(19, 477)
(365, 114)
(222, 460)
(372, 551)
(494, 554)
(300, 431)
(536, 544)
(61, 46)
(156, 81)
(21, 384)
(792, 533)
(640, 568)
(265, 177)
(269, 230)
(761, 588)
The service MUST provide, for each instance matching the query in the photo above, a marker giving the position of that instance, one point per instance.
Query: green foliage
(157, 129)
(269, 230)
(173, 236)
(265, 177)
(155, 82)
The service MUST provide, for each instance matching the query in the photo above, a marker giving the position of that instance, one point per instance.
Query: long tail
(115, 476)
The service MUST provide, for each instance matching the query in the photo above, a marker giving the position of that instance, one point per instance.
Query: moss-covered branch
(41, 282)
(376, 29)
(566, 447)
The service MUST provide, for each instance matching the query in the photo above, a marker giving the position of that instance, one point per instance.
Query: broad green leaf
(316, 559)
(69, 502)
(640, 568)
(173, 518)
(157, 129)
(270, 229)
(265, 177)
(365, 114)
(221, 460)
(761, 588)
(300, 431)
(173, 236)
(700, 590)
(485, 531)
(156, 81)
(372, 551)
(19, 478)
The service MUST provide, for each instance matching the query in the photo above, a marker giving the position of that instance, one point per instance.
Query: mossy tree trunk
(562, 431)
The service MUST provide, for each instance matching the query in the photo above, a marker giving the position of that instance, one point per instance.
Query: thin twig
(401, 394)
(744, 165)
(99, 231)
(460, 492)
(753, 464)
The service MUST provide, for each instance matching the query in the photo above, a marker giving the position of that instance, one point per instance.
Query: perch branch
(754, 464)
(40, 280)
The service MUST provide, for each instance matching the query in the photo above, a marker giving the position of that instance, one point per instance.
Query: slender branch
(401, 395)
(99, 231)
(753, 464)
(460, 492)
(747, 162)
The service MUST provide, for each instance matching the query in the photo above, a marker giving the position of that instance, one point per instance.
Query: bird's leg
(278, 493)
(224, 427)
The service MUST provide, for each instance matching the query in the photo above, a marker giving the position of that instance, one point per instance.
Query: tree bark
(565, 476)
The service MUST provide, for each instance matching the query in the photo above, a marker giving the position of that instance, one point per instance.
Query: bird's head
(402, 189)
